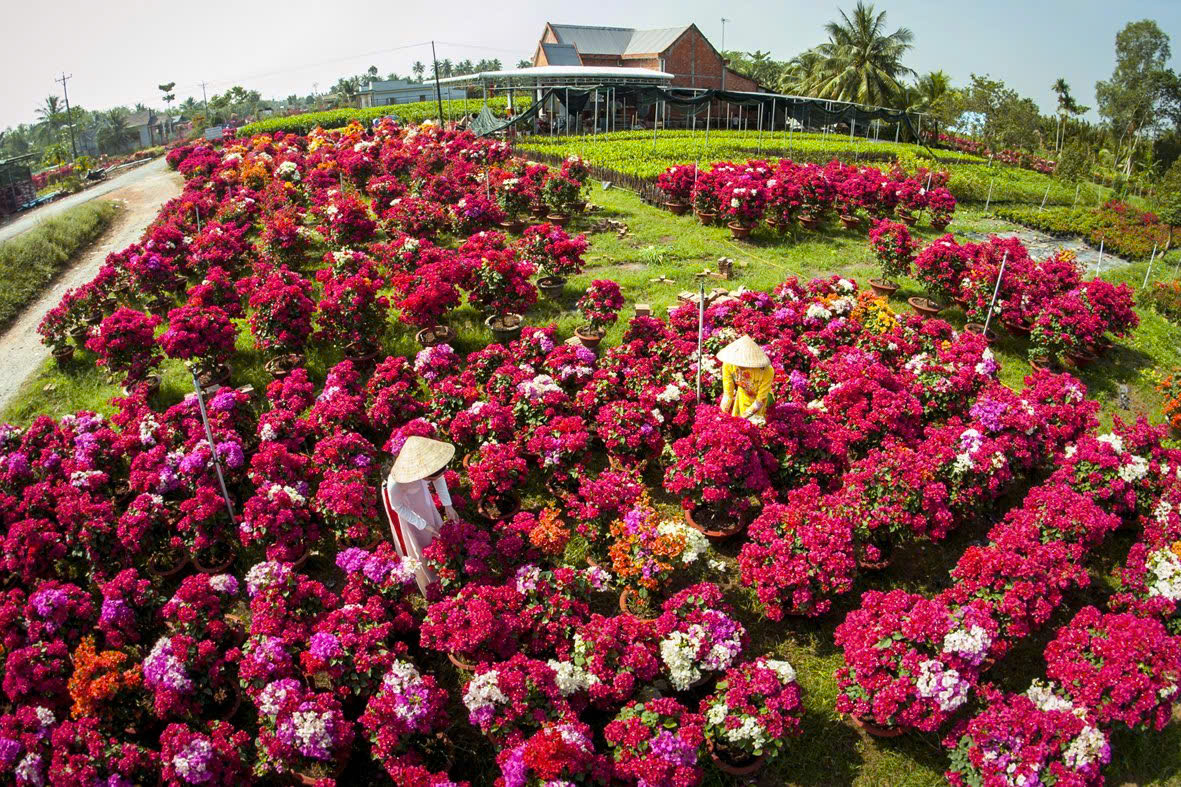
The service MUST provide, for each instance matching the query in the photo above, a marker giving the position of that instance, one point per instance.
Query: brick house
(681, 51)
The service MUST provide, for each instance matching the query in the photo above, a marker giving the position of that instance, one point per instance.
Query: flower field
(1121, 228)
(413, 112)
(924, 538)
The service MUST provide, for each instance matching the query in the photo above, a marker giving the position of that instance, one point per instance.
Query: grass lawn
(830, 752)
(29, 261)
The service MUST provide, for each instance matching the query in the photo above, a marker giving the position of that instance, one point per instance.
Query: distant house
(148, 125)
(381, 93)
(681, 51)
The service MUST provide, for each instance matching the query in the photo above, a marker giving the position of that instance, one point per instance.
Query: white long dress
(414, 520)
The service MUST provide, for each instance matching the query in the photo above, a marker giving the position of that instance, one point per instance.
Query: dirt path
(21, 351)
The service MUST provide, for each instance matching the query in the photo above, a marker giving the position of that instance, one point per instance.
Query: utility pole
(438, 93)
(205, 101)
(724, 21)
(69, 118)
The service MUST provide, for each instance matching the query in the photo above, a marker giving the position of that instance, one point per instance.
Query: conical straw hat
(745, 353)
(421, 457)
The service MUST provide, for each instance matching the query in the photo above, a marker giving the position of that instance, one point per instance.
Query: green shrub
(29, 261)
(416, 112)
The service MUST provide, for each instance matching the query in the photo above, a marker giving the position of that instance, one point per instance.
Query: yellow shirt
(746, 386)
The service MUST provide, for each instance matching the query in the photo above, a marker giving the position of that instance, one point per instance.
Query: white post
(1044, 198)
(1149, 271)
(700, 332)
(212, 447)
(988, 201)
(1099, 264)
(595, 133)
(708, 106)
(995, 290)
(197, 210)
(1076, 187)
(772, 120)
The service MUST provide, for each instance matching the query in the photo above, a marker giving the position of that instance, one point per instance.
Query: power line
(280, 72)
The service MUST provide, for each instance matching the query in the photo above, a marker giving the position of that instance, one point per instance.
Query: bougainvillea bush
(159, 627)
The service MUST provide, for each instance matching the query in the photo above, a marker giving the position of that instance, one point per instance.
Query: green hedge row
(415, 112)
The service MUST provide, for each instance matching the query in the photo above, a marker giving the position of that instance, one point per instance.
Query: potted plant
(744, 198)
(751, 713)
(56, 329)
(599, 306)
(645, 554)
(302, 731)
(560, 194)
(352, 313)
(500, 287)
(895, 249)
(941, 203)
(658, 741)
(940, 267)
(514, 197)
(281, 314)
(719, 467)
(407, 718)
(496, 471)
(125, 344)
(699, 636)
(554, 254)
(203, 337)
(425, 295)
(677, 183)
(706, 197)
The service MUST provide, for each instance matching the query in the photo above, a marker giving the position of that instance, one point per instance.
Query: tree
(1074, 162)
(524, 64)
(168, 97)
(998, 115)
(419, 69)
(1168, 195)
(113, 133)
(860, 62)
(1067, 107)
(1142, 89)
(756, 65)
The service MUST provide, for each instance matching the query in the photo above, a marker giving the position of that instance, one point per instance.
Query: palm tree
(419, 69)
(524, 63)
(860, 62)
(113, 133)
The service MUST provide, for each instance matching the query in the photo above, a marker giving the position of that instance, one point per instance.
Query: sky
(118, 51)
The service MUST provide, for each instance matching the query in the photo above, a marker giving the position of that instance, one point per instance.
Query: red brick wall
(694, 63)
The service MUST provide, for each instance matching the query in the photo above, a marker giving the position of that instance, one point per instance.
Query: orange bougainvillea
(642, 553)
(101, 678)
(550, 534)
(1171, 388)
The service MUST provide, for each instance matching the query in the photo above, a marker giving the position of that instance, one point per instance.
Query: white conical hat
(421, 457)
(745, 353)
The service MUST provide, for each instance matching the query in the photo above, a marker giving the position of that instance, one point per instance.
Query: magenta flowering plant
(352, 313)
(25, 746)
(129, 605)
(698, 635)
(553, 252)
(391, 395)
(201, 335)
(720, 466)
(657, 741)
(424, 295)
(478, 623)
(189, 756)
(755, 707)
(560, 752)
(464, 553)
(900, 670)
(940, 267)
(58, 610)
(600, 305)
(941, 203)
(345, 500)
(677, 182)
(199, 606)
(348, 220)
(560, 192)
(217, 289)
(496, 470)
(380, 579)
(435, 362)
(499, 283)
(205, 525)
(349, 650)
(279, 518)
(404, 716)
(188, 677)
(1125, 668)
(891, 243)
(124, 343)
(38, 675)
(483, 422)
(559, 445)
(509, 700)
(1031, 738)
(611, 659)
(744, 199)
(83, 753)
(798, 557)
(628, 431)
(284, 603)
(281, 309)
(301, 730)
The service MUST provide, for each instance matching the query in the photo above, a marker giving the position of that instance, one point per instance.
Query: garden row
(128, 653)
(1014, 158)
(410, 113)
(1116, 226)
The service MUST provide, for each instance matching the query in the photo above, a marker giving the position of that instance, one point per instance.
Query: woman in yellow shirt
(747, 375)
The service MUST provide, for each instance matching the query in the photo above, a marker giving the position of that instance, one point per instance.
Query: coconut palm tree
(419, 69)
(113, 133)
(860, 62)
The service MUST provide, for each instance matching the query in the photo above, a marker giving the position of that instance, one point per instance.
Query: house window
(422, 97)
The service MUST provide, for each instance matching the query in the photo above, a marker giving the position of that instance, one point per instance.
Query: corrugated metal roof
(594, 40)
(561, 55)
(645, 42)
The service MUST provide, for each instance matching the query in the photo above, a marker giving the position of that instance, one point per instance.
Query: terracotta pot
(538, 211)
(232, 707)
(282, 365)
(1041, 364)
(1018, 328)
(436, 334)
(80, 334)
(940, 226)
(551, 286)
(730, 769)
(978, 329)
(809, 222)
(560, 219)
(885, 550)
(468, 457)
(588, 336)
(706, 218)
(216, 377)
(168, 571)
(677, 208)
(63, 355)
(361, 356)
(850, 222)
(739, 231)
(924, 306)
(516, 226)
(462, 665)
(558, 490)
(307, 779)
(499, 508)
(877, 730)
(907, 218)
(505, 327)
(215, 568)
(624, 597)
(883, 288)
(1082, 358)
(774, 223)
(715, 535)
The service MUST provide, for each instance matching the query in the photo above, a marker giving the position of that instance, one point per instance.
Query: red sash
(395, 520)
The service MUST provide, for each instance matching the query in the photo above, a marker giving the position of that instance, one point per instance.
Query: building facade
(381, 93)
(681, 51)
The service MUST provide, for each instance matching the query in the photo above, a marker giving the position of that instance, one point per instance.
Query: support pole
(700, 331)
(438, 92)
(1076, 188)
(1044, 198)
(197, 210)
(995, 290)
(212, 447)
(772, 120)
(1099, 264)
(988, 201)
(1149, 271)
(596, 130)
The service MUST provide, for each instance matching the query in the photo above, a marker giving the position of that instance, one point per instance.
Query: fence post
(1099, 264)
(988, 201)
(212, 447)
(1044, 198)
(995, 290)
(1149, 271)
